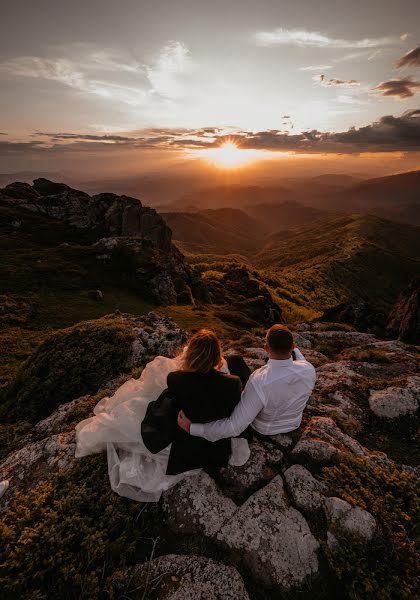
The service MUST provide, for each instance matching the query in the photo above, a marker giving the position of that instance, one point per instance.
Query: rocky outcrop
(344, 519)
(280, 519)
(404, 319)
(269, 537)
(245, 296)
(362, 315)
(306, 492)
(118, 239)
(394, 402)
(175, 577)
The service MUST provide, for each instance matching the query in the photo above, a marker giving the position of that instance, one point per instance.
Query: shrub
(388, 568)
(62, 539)
(69, 363)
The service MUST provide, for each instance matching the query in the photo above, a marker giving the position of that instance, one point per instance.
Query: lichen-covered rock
(301, 341)
(180, 577)
(272, 539)
(334, 374)
(283, 440)
(395, 402)
(338, 339)
(259, 469)
(196, 506)
(347, 519)
(35, 462)
(156, 335)
(306, 492)
(322, 441)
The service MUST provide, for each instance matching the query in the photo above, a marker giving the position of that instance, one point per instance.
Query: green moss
(62, 539)
(70, 363)
(387, 568)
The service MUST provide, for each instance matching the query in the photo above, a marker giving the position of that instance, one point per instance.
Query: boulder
(395, 402)
(35, 462)
(196, 506)
(306, 492)
(345, 519)
(179, 577)
(272, 539)
(323, 441)
(268, 537)
(260, 468)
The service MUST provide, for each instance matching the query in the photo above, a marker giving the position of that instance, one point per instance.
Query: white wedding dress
(134, 472)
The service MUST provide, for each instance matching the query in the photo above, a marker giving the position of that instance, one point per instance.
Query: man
(274, 397)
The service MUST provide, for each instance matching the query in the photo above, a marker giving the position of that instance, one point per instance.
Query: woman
(197, 383)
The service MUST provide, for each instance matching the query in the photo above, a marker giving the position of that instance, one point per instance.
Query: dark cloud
(400, 88)
(388, 134)
(337, 82)
(411, 59)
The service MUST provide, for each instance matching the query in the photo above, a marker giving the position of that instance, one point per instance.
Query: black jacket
(204, 397)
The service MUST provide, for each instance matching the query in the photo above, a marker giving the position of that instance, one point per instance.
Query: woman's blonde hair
(203, 352)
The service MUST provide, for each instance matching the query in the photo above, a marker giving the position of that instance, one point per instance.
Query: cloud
(388, 134)
(410, 59)
(325, 82)
(314, 39)
(315, 68)
(164, 69)
(73, 75)
(398, 88)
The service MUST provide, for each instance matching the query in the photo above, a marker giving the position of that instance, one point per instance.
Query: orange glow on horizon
(230, 156)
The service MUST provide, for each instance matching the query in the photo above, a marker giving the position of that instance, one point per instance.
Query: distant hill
(395, 197)
(235, 196)
(216, 231)
(345, 258)
(285, 215)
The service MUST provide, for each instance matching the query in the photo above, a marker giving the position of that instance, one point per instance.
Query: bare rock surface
(272, 539)
(269, 537)
(348, 519)
(35, 462)
(394, 402)
(261, 467)
(322, 440)
(180, 577)
(306, 492)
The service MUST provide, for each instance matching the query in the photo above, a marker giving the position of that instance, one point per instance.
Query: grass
(388, 568)
(63, 538)
(68, 364)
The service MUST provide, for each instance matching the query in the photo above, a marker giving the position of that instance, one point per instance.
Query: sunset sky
(122, 86)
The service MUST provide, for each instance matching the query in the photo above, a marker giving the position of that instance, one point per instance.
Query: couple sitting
(194, 411)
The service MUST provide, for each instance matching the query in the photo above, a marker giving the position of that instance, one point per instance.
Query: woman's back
(204, 397)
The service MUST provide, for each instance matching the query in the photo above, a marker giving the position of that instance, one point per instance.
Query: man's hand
(183, 422)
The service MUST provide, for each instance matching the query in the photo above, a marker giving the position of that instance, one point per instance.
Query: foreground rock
(395, 402)
(35, 462)
(344, 519)
(270, 538)
(306, 492)
(322, 441)
(175, 577)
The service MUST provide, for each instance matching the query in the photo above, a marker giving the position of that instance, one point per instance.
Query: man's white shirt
(272, 402)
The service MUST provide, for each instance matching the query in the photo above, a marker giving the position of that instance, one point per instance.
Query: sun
(229, 155)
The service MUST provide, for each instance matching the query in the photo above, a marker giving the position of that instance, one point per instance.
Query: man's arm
(299, 356)
(242, 416)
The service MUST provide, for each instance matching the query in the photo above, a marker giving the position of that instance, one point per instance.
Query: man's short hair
(280, 339)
